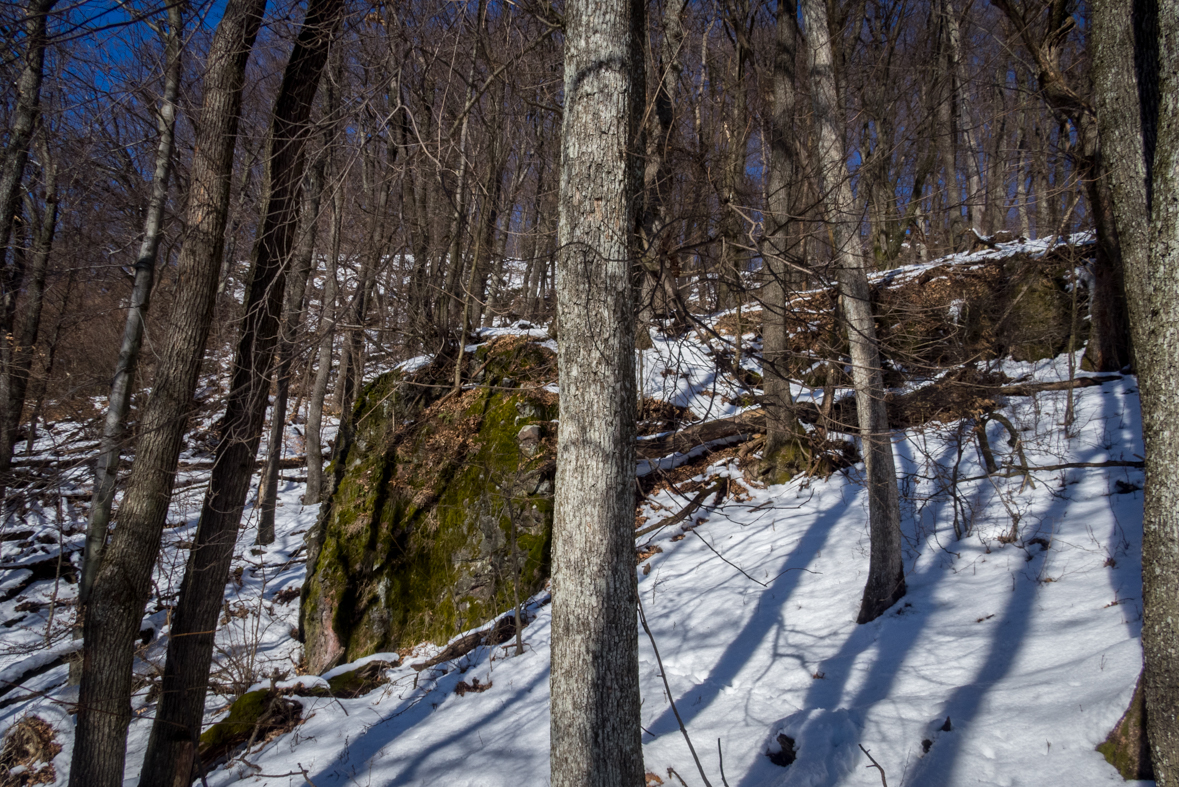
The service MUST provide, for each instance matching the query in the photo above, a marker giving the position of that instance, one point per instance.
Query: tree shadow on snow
(834, 726)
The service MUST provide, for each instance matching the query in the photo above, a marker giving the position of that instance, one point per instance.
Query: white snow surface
(1022, 631)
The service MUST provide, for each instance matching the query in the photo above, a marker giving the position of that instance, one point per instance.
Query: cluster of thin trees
(299, 193)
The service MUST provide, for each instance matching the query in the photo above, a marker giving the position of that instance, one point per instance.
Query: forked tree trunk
(595, 733)
(170, 750)
(886, 578)
(112, 618)
(123, 383)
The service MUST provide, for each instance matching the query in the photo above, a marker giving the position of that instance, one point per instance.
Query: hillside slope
(1011, 657)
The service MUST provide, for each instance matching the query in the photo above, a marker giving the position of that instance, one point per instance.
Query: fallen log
(684, 440)
(687, 510)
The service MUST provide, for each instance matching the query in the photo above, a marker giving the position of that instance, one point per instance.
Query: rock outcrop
(442, 514)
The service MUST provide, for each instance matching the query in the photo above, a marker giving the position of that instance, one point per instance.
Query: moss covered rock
(443, 513)
(254, 716)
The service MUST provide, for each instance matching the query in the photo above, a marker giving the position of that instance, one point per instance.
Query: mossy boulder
(254, 716)
(442, 514)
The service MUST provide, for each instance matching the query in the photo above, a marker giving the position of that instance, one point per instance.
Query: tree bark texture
(123, 383)
(112, 618)
(1160, 399)
(784, 243)
(169, 758)
(1135, 67)
(595, 733)
(886, 578)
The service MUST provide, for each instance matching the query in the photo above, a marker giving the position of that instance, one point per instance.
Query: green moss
(1127, 748)
(356, 682)
(244, 714)
(418, 544)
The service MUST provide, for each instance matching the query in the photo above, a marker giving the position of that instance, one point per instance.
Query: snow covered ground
(1010, 658)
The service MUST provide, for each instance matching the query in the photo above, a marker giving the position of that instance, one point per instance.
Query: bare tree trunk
(974, 191)
(19, 356)
(656, 269)
(1047, 217)
(1021, 179)
(120, 592)
(458, 223)
(12, 168)
(1160, 398)
(323, 370)
(25, 114)
(595, 729)
(492, 187)
(122, 385)
(169, 758)
(292, 315)
(730, 283)
(886, 578)
(1135, 54)
(783, 248)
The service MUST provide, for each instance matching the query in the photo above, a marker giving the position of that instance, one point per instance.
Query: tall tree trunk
(329, 311)
(785, 263)
(12, 169)
(25, 114)
(595, 733)
(123, 383)
(886, 578)
(1136, 79)
(975, 198)
(730, 283)
(170, 753)
(947, 128)
(1021, 179)
(292, 315)
(492, 188)
(19, 355)
(1160, 399)
(656, 270)
(455, 266)
(120, 592)
(323, 373)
